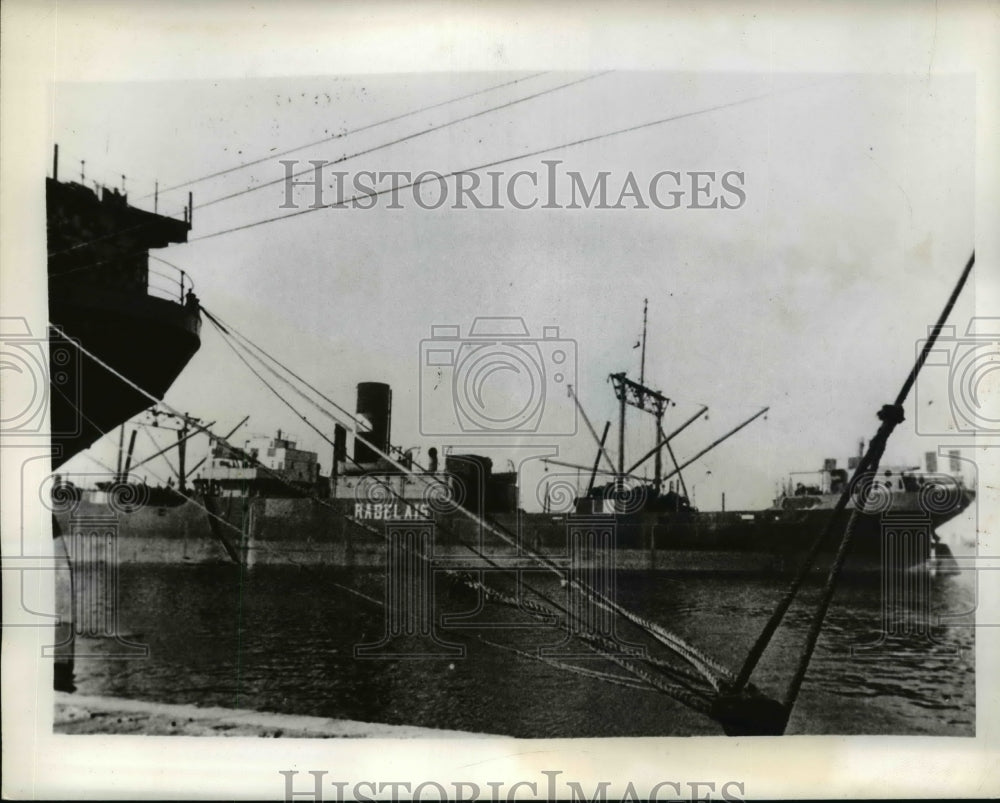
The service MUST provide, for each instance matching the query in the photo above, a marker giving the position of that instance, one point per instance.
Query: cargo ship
(267, 502)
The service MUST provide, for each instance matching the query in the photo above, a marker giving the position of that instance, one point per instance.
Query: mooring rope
(890, 416)
(609, 646)
(728, 690)
(705, 664)
(604, 677)
(681, 694)
(258, 464)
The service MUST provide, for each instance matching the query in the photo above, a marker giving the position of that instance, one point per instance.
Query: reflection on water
(282, 639)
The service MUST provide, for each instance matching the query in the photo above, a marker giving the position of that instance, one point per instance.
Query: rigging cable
(293, 150)
(694, 656)
(343, 134)
(774, 720)
(498, 162)
(505, 160)
(891, 416)
(406, 138)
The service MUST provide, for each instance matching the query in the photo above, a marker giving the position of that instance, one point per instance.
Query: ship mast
(636, 394)
(642, 363)
(645, 398)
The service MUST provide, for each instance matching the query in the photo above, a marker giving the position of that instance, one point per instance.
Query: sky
(810, 298)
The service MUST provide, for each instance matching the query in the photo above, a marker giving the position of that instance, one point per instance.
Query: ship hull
(149, 340)
(303, 531)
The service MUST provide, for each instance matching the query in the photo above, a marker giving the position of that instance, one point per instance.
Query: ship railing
(166, 281)
(403, 486)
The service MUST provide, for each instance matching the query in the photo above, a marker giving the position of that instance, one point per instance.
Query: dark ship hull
(149, 340)
(141, 324)
(260, 530)
(289, 513)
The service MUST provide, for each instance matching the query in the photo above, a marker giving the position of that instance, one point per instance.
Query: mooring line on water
(605, 677)
(694, 656)
(523, 604)
(696, 699)
(646, 681)
(683, 692)
(608, 644)
(651, 685)
(685, 695)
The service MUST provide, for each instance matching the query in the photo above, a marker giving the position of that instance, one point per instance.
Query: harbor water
(282, 639)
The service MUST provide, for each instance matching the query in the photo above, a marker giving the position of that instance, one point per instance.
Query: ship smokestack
(375, 404)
